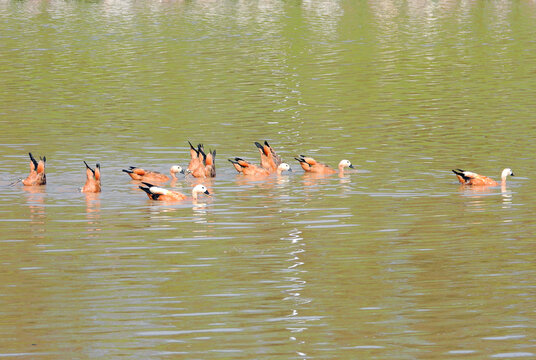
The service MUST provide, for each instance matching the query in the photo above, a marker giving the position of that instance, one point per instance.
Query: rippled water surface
(394, 261)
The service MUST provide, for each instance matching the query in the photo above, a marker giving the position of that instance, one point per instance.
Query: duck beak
(512, 174)
(351, 166)
(182, 171)
(290, 169)
(206, 192)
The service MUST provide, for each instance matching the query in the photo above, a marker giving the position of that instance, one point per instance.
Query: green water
(395, 261)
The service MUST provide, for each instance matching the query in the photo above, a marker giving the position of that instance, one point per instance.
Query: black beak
(182, 171)
(290, 169)
(351, 166)
(512, 174)
(206, 192)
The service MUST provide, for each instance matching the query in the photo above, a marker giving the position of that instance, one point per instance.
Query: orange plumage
(37, 174)
(161, 194)
(202, 165)
(474, 179)
(140, 174)
(309, 164)
(93, 183)
(269, 159)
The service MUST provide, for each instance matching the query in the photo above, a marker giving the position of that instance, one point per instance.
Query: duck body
(93, 183)
(37, 174)
(249, 169)
(309, 164)
(269, 159)
(473, 179)
(140, 174)
(202, 164)
(161, 194)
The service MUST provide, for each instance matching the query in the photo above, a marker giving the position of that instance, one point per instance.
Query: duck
(202, 165)
(93, 184)
(140, 174)
(269, 159)
(37, 174)
(249, 169)
(474, 179)
(161, 194)
(311, 165)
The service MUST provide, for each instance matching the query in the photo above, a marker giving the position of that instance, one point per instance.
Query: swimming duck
(311, 165)
(37, 174)
(161, 194)
(93, 184)
(140, 174)
(202, 165)
(248, 169)
(269, 159)
(474, 179)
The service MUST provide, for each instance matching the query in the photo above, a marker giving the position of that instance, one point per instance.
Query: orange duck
(202, 165)
(248, 169)
(269, 159)
(161, 194)
(311, 165)
(93, 184)
(474, 179)
(37, 172)
(140, 174)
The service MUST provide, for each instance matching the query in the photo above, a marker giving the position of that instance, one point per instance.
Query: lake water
(395, 261)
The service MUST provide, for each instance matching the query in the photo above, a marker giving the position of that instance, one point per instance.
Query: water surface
(394, 261)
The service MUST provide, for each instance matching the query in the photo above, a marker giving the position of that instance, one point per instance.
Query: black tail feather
(33, 161)
(93, 171)
(148, 191)
(193, 148)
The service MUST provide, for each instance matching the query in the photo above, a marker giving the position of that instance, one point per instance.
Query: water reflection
(93, 207)
(298, 322)
(506, 197)
(402, 79)
(35, 198)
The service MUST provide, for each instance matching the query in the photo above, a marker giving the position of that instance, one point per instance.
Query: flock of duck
(202, 165)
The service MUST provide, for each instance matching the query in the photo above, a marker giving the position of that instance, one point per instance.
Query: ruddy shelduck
(474, 179)
(37, 174)
(269, 159)
(202, 165)
(161, 194)
(140, 174)
(93, 183)
(249, 169)
(311, 165)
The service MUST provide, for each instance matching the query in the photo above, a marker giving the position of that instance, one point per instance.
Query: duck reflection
(506, 197)
(478, 195)
(93, 212)
(35, 198)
